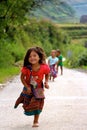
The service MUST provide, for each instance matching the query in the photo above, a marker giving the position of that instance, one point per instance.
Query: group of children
(35, 67)
(54, 62)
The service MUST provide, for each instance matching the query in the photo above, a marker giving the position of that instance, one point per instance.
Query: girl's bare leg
(35, 123)
(61, 70)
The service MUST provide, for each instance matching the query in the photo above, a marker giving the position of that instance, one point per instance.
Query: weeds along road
(65, 104)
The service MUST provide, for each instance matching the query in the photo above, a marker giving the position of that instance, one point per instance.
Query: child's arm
(56, 65)
(48, 62)
(24, 83)
(46, 81)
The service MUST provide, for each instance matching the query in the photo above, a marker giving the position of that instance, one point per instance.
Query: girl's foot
(35, 125)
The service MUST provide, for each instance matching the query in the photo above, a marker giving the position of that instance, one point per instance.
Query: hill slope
(61, 11)
(55, 10)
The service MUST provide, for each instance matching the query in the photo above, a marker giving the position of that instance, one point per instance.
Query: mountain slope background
(61, 11)
(55, 10)
(19, 32)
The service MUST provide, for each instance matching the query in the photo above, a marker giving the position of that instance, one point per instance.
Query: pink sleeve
(46, 69)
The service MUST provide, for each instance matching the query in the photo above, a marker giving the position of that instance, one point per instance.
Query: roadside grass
(7, 73)
(84, 67)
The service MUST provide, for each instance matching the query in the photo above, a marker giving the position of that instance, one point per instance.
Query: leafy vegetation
(7, 73)
(41, 33)
(18, 32)
(74, 55)
(82, 59)
(76, 51)
(76, 31)
(12, 17)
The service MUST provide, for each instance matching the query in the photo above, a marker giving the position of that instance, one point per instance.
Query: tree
(13, 13)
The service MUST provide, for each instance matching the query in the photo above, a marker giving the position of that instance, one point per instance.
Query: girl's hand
(46, 85)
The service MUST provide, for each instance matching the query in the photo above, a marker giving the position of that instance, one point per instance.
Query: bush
(17, 51)
(10, 53)
(45, 34)
(82, 59)
(6, 58)
(75, 56)
(33, 33)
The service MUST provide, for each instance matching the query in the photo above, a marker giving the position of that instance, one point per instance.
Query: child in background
(52, 62)
(34, 63)
(60, 61)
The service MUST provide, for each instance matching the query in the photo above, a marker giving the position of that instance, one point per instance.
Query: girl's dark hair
(39, 51)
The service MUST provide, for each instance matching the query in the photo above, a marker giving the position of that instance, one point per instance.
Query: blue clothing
(52, 61)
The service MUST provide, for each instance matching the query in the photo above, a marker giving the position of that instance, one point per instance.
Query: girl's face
(34, 58)
(53, 53)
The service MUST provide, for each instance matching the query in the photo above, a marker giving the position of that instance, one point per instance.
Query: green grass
(75, 54)
(83, 67)
(7, 73)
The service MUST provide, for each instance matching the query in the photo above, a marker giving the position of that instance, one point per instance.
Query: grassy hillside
(75, 31)
(76, 51)
(69, 38)
(32, 33)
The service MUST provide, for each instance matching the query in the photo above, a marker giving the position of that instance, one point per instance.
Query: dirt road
(65, 104)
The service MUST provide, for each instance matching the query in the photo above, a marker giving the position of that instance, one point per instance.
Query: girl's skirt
(53, 71)
(31, 105)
